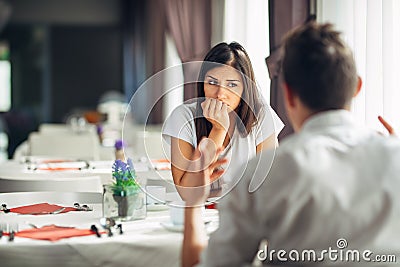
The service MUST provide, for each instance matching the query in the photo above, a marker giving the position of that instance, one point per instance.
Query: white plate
(173, 227)
(156, 207)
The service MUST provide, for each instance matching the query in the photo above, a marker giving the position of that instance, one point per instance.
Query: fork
(12, 229)
(3, 228)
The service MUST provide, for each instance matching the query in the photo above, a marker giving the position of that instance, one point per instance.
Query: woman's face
(225, 84)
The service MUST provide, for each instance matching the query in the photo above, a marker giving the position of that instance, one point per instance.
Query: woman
(228, 110)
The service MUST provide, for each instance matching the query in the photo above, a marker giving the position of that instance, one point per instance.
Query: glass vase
(125, 204)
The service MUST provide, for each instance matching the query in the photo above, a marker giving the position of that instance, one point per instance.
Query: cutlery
(82, 208)
(11, 236)
(4, 208)
(12, 229)
(107, 223)
(32, 225)
(3, 229)
(94, 229)
(120, 228)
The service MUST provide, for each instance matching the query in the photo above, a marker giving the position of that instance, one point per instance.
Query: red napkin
(212, 205)
(44, 208)
(53, 161)
(53, 232)
(58, 169)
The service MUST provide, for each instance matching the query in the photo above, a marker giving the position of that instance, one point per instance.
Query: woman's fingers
(219, 151)
(216, 175)
(212, 108)
(218, 163)
(216, 112)
(218, 106)
(206, 106)
(224, 108)
(217, 169)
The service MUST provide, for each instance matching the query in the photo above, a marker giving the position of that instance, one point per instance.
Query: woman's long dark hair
(233, 55)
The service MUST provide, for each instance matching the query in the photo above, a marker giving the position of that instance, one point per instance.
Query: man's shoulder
(386, 146)
(324, 151)
(350, 137)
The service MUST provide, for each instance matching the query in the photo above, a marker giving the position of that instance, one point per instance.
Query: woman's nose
(221, 93)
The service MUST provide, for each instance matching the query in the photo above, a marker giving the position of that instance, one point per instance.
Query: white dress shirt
(332, 180)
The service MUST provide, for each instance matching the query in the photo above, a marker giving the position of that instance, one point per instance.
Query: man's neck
(305, 113)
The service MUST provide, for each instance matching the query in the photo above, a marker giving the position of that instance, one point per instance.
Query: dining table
(149, 172)
(153, 241)
(147, 242)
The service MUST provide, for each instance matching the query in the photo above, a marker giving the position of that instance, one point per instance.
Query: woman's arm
(218, 136)
(270, 142)
(183, 165)
(194, 237)
(181, 155)
(182, 158)
(182, 152)
(195, 194)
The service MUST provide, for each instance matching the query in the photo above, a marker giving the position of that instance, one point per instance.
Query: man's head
(319, 72)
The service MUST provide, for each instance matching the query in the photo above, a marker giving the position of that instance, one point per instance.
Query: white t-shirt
(180, 124)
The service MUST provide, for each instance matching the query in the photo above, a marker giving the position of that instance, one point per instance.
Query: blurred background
(66, 60)
(60, 58)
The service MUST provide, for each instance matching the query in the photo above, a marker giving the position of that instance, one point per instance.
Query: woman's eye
(212, 82)
(232, 85)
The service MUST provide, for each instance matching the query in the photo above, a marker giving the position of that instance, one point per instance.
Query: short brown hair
(319, 67)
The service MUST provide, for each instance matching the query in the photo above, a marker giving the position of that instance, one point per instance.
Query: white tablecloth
(144, 242)
(16, 170)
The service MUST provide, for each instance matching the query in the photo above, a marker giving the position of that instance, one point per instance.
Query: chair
(60, 128)
(66, 145)
(49, 182)
(53, 128)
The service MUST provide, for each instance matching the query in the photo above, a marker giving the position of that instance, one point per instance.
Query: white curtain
(246, 22)
(5, 85)
(372, 29)
(173, 96)
(243, 21)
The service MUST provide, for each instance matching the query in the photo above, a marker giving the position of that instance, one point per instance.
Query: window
(5, 79)
(246, 22)
(243, 21)
(372, 29)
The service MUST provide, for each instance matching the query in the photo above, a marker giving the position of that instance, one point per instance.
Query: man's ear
(288, 94)
(359, 85)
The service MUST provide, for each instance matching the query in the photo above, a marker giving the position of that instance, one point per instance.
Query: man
(332, 186)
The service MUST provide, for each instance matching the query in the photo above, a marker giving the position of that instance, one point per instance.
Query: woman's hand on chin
(216, 112)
